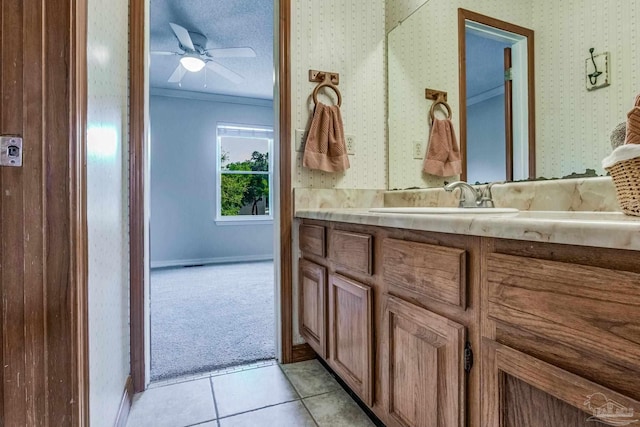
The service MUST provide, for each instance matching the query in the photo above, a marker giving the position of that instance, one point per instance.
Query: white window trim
(242, 219)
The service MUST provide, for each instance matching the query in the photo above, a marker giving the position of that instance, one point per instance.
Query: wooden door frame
(463, 15)
(137, 164)
(78, 198)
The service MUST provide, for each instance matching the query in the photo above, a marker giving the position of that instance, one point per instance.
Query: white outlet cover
(417, 150)
(350, 141)
(301, 136)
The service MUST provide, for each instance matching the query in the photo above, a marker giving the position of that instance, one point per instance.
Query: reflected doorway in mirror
(497, 129)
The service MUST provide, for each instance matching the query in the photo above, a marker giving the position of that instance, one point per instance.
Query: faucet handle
(486, 200)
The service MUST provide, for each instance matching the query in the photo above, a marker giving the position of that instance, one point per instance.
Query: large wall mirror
(572, 123)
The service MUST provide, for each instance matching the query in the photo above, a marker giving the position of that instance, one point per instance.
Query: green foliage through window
(243, 189)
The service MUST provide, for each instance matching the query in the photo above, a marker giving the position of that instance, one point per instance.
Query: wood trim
(532, 105)
(302, 352)
(464, 14)
(79, 237)
(125, 404)
(508, 114)
(136, 190)
(462, 88)
(286, 200)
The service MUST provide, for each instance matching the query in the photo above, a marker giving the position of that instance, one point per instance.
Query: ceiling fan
(195, 56)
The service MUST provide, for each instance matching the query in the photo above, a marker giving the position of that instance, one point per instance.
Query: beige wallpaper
(348, 38)
(419, 57)
(572, 124)
(107, 135)
(399, 10)
(568, 116)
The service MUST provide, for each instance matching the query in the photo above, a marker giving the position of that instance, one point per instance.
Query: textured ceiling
(225, 23)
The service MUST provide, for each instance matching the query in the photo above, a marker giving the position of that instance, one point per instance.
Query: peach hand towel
(443, 153)
(325, 148)
(633, 124)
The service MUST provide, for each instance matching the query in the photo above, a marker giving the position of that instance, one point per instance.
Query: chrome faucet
(470, 197)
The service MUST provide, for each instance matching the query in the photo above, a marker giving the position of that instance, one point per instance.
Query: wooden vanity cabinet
(351, 334)
(313, 305)
(561, 327)
(554, 329)
(401, 308)
(522, 391)
(426, 385)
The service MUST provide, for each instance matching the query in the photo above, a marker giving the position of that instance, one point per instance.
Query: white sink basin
(442, 210)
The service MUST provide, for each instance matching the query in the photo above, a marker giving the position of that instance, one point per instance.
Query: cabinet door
(522, 391)
(312, 305)
(351, 334)
(425, 367)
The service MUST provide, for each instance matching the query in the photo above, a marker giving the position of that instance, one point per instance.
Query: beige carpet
(210, 317)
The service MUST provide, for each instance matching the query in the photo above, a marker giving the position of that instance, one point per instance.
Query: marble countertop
(598, 229)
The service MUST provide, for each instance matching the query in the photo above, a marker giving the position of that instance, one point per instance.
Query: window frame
(243, 219)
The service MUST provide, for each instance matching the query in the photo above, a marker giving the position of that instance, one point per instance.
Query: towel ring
(433, 108)
(328, 84)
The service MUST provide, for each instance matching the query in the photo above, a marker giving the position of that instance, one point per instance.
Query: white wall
(567, 115)
(399, 10)
(183, 181)
(107, 213)
(347, 38)
(486, 159)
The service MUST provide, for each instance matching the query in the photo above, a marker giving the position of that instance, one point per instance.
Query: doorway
(139, 193)
(497, 106)
(211, 175)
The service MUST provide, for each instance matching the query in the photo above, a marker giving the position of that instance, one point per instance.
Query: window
(244, 174)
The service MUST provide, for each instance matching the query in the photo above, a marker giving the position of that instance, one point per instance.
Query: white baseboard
(205, 261)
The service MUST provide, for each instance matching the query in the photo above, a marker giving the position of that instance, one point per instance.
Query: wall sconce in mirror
(597, 70)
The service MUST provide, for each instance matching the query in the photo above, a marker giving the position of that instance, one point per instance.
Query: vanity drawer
(312, 240)
(351, 250)
(424, 272)
(582, 318)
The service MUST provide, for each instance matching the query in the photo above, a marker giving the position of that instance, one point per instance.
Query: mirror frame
(464, 15)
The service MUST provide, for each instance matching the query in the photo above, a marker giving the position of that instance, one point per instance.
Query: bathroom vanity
(527, 319)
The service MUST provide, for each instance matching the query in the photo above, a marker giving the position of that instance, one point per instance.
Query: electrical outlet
(351, 144)
(417, 150)
(301, 137)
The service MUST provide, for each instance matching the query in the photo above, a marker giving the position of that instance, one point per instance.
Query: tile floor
(297, 395)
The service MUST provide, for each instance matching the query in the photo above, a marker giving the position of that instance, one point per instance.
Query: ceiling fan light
(192, 63)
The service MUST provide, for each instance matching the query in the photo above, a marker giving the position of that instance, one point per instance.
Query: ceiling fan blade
(232, 52)
(225, 72)
(183, 36)
(178, 74)
(163, 52)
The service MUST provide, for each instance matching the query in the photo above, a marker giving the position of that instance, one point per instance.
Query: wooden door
(42, 227)
(312, 305)
(522, 391)
(351, 334)
(425, 371)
